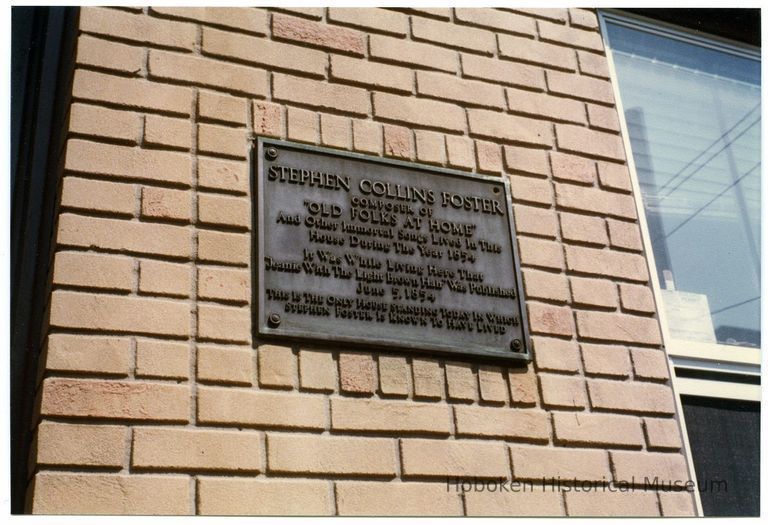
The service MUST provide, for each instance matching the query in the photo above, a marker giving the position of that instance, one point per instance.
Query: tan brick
(443, 13)
(535, 252)
(676, 504)
(533, 501)
(103, 122)
(497, 20)
(162, 359)
(317, 370)
(453, 35)
(537, 52)
(545, 285)
(584, 18)
(250, 20)
(462, 383)
(219, 174)
(545, 106)
(609, 360)
(232, 248)
(430, 147)
(317, 34)
(650, 364)
(570, 36)
(357, 373)
(162, 278)
(593, 64)
(523, 387)
(618, 327)
(535, 463)
(109, 55)
(561, 391)
(222, 140)
(550, 320)
(501, 423)
(582, 140)
(223, 210)
(365, 498)
(526, 160)
(535, 221)
(88, 354)
(493, 385)
(195, 449)
(573, 168)
(556, 355)
(601, 117)
(134, 400)
(527, 189)
(221, 364)
(421, 112)
(413, 53)
(499, 126)
(223, 323)
(311, 454)
(65, 493)
(400, 417)
(163, 203)
(606, 263)
(370, 19)
(88, 445)
(219, 496)
(441, 458)
(468, 92)
(366, 136)
(96, 195)
(594, 292)
(245, 407)
(225, 284)
(494, 70)
(165, 131)
(393, 376)
(637, 466)
(264, 52)
(428, 379)
(603, 503)
(548, 13)
(488, 157)
(267, 119)
(631, 397)
(460, 152)
(124, 162)
(335, 131)
(303, 125)
(663, 433)
(209, 73)
(597, 429)
(581, 87)
(625, 235)
(614, 176)
(308, 12)
(137, 28)
(322, 96)
(277, 367)
(92, 270)
(133, 93)
(372, 74)
(636, 298)
(583, 228)
(119, 313)
(398, 142)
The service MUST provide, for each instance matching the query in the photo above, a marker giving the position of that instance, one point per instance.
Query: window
(692, 115)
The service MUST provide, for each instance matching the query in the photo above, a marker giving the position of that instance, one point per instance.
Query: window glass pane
(693, 114)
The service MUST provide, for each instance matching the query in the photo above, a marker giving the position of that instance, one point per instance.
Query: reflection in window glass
(693, 115)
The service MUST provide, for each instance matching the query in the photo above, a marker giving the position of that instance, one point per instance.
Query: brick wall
(154, 396)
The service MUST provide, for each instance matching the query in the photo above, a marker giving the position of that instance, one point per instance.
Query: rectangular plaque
(375, 252)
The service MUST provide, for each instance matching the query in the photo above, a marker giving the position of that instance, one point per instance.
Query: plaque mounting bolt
(516, 345)
(273, 320)
(271, 154)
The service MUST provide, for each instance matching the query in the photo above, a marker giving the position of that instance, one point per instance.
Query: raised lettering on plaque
(374, 252)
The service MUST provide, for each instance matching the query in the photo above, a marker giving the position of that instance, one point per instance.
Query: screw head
(270, 153)
(273, 320)
(516, 345)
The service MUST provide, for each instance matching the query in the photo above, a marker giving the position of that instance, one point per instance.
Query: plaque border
(262, 332)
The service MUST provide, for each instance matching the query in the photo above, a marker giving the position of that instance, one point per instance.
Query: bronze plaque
(375, 252)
